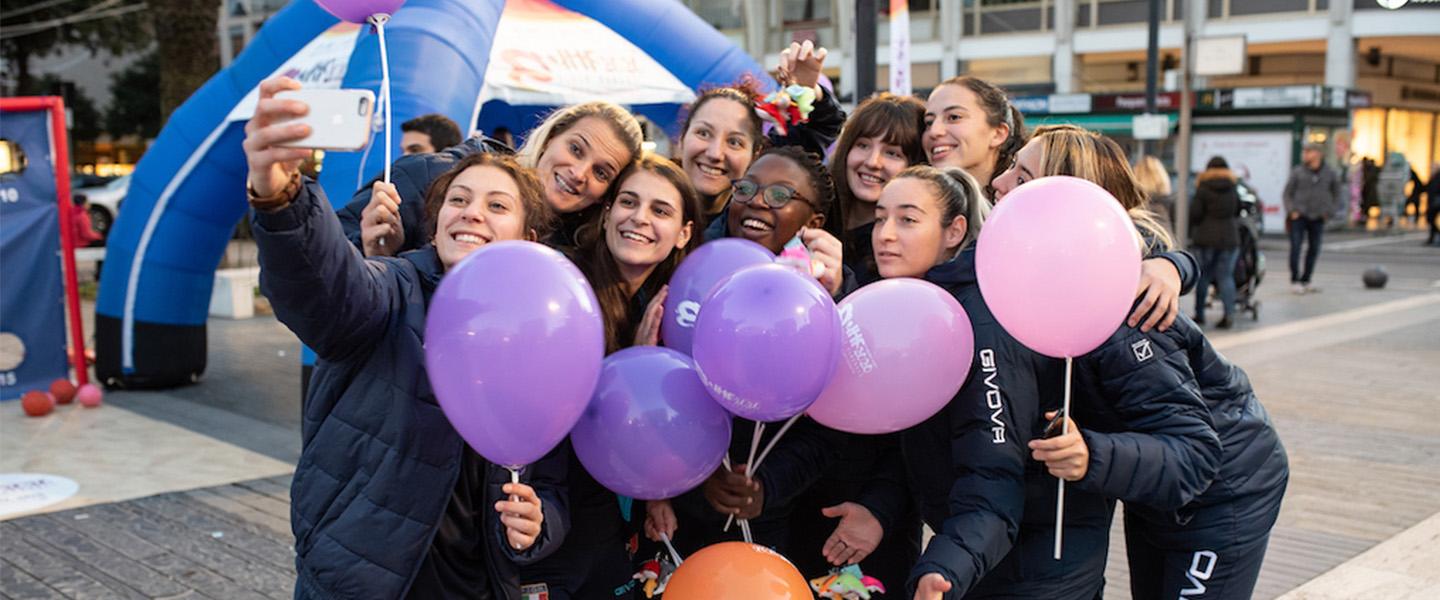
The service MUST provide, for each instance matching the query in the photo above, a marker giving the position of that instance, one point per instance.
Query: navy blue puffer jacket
(379, 460)
(967, 464)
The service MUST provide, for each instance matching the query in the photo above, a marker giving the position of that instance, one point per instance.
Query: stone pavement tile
(115, 454)
(1401, 568)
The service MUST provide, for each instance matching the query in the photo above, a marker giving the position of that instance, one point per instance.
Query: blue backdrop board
(188, 191)
(32, 318)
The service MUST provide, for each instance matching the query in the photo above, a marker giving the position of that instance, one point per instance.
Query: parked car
(104, 204)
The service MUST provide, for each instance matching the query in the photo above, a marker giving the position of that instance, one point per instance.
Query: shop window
(12, 158)
(805, 11)
(238, 8)
(1258, 7)
(1217, 9)
(237, 40)
(1125, 11)
(1006, 17)
(1369, 138)
(1410, 133)
(720, 14)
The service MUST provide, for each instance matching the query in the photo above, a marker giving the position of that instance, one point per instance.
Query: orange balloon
(737, 571)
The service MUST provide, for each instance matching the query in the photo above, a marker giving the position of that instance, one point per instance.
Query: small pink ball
(89, 395)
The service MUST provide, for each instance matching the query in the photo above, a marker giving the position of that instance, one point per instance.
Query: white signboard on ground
(24, 492)
(1260, 158)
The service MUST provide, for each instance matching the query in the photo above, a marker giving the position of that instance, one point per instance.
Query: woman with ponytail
(970, 124)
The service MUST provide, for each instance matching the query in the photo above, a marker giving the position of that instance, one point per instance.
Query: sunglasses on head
(775, 195)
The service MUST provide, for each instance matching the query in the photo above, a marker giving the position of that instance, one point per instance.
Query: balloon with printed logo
(905, 350)
(513, 344)
(357, 11)
(737, 571)
(651, 430)
(1058, 262)
(696, 277)
(766, 342)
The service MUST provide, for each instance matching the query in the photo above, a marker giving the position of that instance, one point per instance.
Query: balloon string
(671, 547)
(749, 469)
(515, 479)
(771, 444)
(379, 20)
(745, 531)
(1060, 491)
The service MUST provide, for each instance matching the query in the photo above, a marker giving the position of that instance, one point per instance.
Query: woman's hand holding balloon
(826, 255)
(381, 232)
(521, 515)
(648, 333)
(731, 493)
(272, 166)
(1159, 293)
(660, 520)
(1066, 456)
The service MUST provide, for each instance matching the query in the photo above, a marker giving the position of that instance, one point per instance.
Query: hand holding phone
(339, 120)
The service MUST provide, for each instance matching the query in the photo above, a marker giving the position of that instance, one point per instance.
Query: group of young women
(388, 501)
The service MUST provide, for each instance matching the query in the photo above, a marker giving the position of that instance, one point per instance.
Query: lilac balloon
(766, 342)
(513, 345)
(696, 278)
(1058, 263)
(651, 430)
(906, 351)
(356, 11)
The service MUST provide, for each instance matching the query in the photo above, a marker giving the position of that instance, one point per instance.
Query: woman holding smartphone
(387, 500)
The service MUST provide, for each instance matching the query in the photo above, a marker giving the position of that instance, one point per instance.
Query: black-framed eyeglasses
(775, 195)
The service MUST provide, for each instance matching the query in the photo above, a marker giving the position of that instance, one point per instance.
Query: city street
(184, 493)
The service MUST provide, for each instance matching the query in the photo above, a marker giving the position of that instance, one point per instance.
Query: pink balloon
(906, 347)
(356, 11)
(1058, 262)
(89, 395)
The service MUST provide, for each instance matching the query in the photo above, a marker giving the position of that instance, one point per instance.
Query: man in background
(426, 134)
(1311, 196)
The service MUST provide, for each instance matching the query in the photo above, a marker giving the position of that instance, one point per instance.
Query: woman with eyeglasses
(785, 195)
(1162, 422)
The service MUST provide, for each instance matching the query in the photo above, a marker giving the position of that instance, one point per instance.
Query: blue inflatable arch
(187, 193)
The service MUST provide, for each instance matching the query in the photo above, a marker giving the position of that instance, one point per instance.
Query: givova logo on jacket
(993, 400)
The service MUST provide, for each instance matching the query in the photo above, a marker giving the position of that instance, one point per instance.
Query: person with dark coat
(1215, 233)
(783, 196)
(1164, 423)
(1311, 196)
(1432, 206)
(966, 465)
(387, 500)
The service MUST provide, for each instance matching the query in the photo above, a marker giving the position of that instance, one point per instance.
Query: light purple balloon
(696, 278)
(1058, 263)
(651, 431)
(356, 11)
(766, 342)
(906, 349)
(513, 344)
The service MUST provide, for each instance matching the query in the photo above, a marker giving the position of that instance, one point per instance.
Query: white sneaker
(1297, 288)
(1310, 289)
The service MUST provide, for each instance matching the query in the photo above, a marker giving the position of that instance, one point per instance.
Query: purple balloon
(696, 278)
(766, 342)
(651, 431)
(356, 11)
(513, 344)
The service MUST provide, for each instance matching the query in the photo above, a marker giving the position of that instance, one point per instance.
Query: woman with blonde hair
(577, 152)
(1159, 420)
(1155, 182)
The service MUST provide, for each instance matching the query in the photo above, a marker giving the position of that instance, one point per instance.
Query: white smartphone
(339, 119)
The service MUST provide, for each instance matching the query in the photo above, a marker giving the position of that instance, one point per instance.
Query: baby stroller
(1250, 265)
